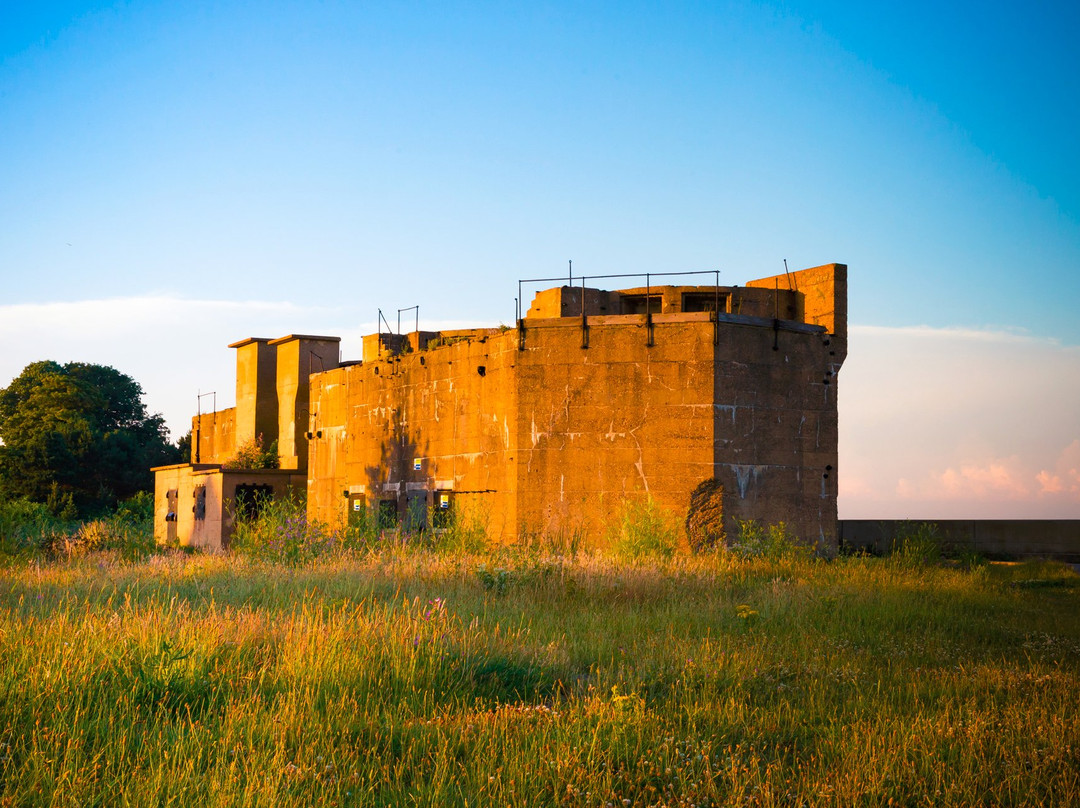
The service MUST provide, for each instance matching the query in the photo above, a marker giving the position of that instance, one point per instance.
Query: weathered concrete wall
(616, 420)
(821, 300)
(552, 426)
(556, 437)
(409, 425)
(762, 298)
(193, 495)
(169, 484)
(1019, 538)
(776, 428)
(213, 436)
(566, 301)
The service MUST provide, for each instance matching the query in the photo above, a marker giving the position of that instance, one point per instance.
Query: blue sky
(316, 161)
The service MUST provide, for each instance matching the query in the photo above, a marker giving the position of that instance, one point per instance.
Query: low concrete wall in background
(994, 538)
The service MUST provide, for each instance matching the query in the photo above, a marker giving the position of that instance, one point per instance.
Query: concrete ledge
(597, 320)
(1005, 538)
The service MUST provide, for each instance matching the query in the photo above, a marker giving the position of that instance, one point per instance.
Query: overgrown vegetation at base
(279, 530)
(398, 675)
(32, 528)
(645, 529)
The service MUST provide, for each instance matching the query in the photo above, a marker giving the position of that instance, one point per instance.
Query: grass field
(408, 677)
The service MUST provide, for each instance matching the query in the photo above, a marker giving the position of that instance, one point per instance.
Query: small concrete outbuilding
(197, 503)
(707, 399)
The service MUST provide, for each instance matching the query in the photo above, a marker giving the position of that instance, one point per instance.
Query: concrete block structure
(595, 398)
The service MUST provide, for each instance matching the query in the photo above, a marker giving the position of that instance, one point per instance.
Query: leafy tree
(78, 432)
(183, 446)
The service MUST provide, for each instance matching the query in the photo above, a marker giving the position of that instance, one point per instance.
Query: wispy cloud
(174, 347)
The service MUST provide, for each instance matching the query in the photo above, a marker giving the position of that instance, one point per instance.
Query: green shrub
(137, 510)
(253, 456)
(645, 529)
(917, 544)
(496, 580)
(770, 542)
(33, 527)
(969, 559)
(128, 531)
(23, 524)
(279, 530)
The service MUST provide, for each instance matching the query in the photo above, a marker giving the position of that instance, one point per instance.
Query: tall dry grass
(403, 676)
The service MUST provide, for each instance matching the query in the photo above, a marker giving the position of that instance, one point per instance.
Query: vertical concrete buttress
(298, 356)
(256, 391)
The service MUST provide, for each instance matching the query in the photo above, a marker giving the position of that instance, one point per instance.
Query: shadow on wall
(705, 516)
(395, 499)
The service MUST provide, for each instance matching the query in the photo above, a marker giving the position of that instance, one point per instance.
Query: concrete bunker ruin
(717, 402)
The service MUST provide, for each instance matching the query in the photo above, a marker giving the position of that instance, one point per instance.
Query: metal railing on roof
(519, 303)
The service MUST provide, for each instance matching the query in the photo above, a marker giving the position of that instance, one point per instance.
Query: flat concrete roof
(291, 337)
(248, 341)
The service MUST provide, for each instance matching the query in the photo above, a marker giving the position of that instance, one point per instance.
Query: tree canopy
(80, 431)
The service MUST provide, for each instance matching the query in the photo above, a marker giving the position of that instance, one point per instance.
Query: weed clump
(278, 529)
(769, 542)
(645, 529)
(254, 456)
(23, 524)
(917, 545)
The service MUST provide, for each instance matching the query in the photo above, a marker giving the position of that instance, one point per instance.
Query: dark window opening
(172, 496)
(388, 514)
(442, 515)
(357, 510)
(251, 498)
(199, 508)
(635, 304)
(416, 512)
(703, 301)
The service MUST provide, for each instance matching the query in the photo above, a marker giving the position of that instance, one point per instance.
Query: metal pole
(776, 315)
(198, 420)
(648, 311)
(716, 310)
(584, 322)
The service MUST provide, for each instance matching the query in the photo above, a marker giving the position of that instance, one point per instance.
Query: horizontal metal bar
(623, 275)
